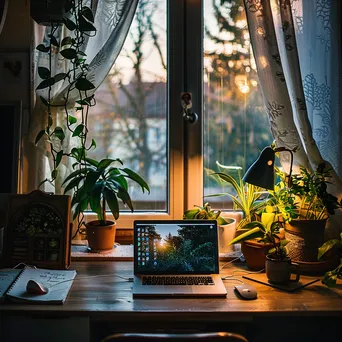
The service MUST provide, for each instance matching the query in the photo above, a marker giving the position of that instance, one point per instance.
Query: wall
(15, 40)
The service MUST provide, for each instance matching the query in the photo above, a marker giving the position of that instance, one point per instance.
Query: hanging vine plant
(95, 183)
(79, 21)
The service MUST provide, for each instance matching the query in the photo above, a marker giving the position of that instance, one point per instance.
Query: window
(201, 47)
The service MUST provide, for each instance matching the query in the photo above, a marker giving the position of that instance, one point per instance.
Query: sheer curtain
(297, 48)
(112, 21)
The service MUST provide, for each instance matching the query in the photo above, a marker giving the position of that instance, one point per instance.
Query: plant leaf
(59, 157)
(43, 48)
(93, 144)
(69, 24)
(71, 119)
(60, 76)
(106, 162)
(95, 199)
(78, 130)
(327, 246)
(90, 180)
(46, 83)
(59, 133)
(54, 174)
(54, 41)
(248, 235)
(44, 73)
(69, 53)
(39, 136)
(84, 25)
(67, 41)
(134, 176)
(44, 101)
(74, 174)
(92, 162)
(83, 84)
(112, 201)
(73, 183)
(87, 13)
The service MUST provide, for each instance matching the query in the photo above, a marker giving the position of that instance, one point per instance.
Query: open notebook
(59, 282)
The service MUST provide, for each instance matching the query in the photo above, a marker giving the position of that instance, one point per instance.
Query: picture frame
(38, 230)
(15, 76)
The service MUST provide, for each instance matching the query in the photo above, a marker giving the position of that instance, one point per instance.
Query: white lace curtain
(112, 21)
(297, 48)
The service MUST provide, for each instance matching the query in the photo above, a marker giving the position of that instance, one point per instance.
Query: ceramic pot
(279, 271)
(100, 238)
(305, 237)
(226, 234)
(255, 254)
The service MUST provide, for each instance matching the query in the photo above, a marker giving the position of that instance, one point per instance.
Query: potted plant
(248, 197)
(331, 276)
(305, 206)
(95, 183)
(249, 200)
(274, 257)
(255, 244)
(226, 225)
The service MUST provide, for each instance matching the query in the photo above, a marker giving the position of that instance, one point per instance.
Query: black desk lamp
(261, 172)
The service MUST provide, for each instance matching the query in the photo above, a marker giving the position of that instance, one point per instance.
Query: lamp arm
(283, 149)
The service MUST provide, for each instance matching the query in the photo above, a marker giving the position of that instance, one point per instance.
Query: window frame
(179, 175)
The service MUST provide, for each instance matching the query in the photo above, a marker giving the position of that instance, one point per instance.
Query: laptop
(177, 258)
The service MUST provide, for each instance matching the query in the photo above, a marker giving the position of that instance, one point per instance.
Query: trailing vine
(79, 21)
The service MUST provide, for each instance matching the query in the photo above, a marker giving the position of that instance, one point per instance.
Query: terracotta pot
(255, 254)
(305, 237)
(279, 271)
(100, 238)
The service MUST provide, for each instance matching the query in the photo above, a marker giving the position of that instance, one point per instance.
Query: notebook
(177, 258)
(13, 285)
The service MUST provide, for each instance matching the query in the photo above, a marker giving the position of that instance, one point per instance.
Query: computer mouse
(34, 287)
(246, 291)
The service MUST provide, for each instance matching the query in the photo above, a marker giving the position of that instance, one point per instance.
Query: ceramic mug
(279, 271)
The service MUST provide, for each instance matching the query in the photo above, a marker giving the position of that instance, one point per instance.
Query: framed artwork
(38, 231)
(15, 76)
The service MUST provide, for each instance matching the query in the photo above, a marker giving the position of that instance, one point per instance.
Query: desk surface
(99, 294)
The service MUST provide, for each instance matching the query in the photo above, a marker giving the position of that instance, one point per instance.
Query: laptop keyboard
(175, 280)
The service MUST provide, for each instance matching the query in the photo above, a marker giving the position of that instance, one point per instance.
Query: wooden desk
(98, 305)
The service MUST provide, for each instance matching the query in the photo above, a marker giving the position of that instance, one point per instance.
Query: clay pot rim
(287, 259)
(96, 223)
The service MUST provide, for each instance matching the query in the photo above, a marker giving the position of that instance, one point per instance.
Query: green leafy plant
(247, 198)
(331, 277)
(97, 183)
(307, 197)
(206, 213)
(269, 234)
(78, 22)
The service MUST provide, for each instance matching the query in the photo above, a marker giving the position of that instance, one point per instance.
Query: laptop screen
(176, 247)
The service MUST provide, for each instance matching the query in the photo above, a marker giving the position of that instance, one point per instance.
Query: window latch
(189, 116)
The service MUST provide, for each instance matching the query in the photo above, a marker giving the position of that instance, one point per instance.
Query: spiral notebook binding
(15, 281)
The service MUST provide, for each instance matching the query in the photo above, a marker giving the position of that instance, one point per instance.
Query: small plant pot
(278, 271)
(100, 238)
(255, 254)
(227, 233)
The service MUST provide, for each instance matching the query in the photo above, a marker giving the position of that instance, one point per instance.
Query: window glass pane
(130, 119)
(236, 127)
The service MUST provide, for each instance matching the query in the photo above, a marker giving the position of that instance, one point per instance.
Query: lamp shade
(261, 172)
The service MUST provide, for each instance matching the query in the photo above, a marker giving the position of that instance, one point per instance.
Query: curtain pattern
(296, 49)
(112, 21)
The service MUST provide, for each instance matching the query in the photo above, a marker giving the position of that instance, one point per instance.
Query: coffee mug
(279, 271)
